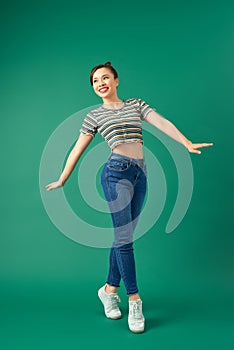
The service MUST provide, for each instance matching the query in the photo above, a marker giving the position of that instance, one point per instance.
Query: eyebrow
(101, 76)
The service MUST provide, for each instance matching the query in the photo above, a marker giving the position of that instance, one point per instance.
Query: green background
(176, 55)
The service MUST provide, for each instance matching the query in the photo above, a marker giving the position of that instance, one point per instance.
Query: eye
(106, 77)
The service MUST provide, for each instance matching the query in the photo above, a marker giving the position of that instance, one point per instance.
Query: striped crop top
(117, 126)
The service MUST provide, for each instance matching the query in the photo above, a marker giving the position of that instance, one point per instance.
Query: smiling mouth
(103, 90)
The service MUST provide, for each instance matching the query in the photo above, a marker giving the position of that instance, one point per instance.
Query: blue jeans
(124, 182)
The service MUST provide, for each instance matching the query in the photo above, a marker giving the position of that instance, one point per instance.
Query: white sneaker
(109, 302)
(136, 320)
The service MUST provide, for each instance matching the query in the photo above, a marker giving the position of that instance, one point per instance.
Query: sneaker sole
(137, 332)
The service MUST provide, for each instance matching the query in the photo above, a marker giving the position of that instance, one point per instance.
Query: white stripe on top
(117, 126)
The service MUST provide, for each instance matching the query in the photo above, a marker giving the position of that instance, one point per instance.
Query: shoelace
(113, 301)
(137, 311)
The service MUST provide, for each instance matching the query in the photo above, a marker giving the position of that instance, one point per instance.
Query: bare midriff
(130, 149)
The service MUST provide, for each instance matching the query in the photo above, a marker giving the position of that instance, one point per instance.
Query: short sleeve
(89, 125)
(144, 108)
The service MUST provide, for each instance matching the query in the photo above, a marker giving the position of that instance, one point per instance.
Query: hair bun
(108, 64)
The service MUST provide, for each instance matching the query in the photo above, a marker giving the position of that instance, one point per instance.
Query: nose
(101, 82)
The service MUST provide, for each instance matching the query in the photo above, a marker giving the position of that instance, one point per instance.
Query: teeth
(103, 90)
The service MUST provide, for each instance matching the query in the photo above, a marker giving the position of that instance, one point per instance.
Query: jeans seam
(125, 279)
(107, 185)
(121, 265)
(111, 271)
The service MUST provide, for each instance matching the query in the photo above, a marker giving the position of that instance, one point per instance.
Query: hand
(193, 147)
(53, 185)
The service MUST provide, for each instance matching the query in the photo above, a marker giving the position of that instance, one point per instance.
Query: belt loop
(109, 157)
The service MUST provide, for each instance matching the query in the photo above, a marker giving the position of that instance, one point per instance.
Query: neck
(111, 99)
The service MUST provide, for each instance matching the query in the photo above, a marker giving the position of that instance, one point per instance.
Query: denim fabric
(124, 182)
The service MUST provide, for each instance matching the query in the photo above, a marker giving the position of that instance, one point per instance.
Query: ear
(117, 82)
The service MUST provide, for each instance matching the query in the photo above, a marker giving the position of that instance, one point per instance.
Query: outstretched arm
(170, 129)
(75, 154)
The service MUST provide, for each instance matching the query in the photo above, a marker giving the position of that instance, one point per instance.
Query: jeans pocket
(118, 165)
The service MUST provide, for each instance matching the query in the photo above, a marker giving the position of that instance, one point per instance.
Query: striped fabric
(117, 126)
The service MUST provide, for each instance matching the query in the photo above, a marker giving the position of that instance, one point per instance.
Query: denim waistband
(139, 161)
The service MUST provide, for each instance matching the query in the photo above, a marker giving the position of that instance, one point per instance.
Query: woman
(124, 180)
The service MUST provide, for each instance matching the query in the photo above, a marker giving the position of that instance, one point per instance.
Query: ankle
(134, 297)
(110, 289)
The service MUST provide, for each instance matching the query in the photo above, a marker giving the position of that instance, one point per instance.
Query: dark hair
(105, 65)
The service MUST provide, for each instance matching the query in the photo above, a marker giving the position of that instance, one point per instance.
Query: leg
(125, 218)
(136, 320)
(136, 206)
(140, 188)
(126, 264)
(114, 277)
(119, 194)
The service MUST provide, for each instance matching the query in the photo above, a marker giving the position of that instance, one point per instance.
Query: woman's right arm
(75, 154)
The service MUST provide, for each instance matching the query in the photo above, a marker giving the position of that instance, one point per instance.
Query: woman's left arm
(170, 129)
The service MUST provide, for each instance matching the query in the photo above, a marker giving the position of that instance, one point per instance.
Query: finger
(206, 144)
(195, 151)
(201, 145)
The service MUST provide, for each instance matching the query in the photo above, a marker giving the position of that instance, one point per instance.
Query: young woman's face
(104, 83)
